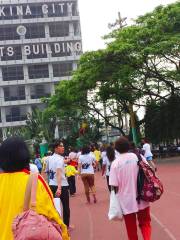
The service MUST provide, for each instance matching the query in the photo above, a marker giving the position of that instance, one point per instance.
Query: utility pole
(121, 22)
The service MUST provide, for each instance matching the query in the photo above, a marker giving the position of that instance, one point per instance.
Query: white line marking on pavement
(174, 193)
(172, 237)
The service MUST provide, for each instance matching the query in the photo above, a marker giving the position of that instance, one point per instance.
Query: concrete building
(40, 44)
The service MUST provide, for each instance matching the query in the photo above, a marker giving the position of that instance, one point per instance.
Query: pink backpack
(30, 225)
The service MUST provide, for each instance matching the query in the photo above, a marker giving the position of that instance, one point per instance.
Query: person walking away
(107, 160)
(123, 177)
(14, 162)
(57, 180)
(71, 172)
(38, 163)
(86, 170)
(73, 156)
(148, 154)
(103, 151)
(97, 154)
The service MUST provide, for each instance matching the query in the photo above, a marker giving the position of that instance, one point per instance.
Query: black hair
(132, 145)
(56, 143)
(122, 145)
(85, 150)
(110, 153)
(133, 148)
(14, 155)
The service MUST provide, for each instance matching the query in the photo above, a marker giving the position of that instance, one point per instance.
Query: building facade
(40, 44)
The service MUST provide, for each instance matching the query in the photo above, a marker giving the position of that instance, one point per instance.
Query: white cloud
(96, 14)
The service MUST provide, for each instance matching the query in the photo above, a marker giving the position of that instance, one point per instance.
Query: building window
(11, 73)
(60, 29)
(40, 90)
(14, 114)
(40, 107)
(8, 33)
(35, 31)
(62, 69)
(14, 93)
(38, 71)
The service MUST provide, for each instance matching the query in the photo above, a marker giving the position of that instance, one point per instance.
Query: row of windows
(19, 113)
(37, 91)
(29, 11)
(14, 117)
(16, 113)
(59, 29)
(10, 73)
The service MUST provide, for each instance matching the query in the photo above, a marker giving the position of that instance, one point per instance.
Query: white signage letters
(19, 10)
(62, 7)
(78, 46)
(70, 47)
(27, 50)
(57, 48)
(10, 51)
(69, 5)
(25, 10)
(28, 11)
(53, 7)
(11, 10)
(2, 11)
(42, 49)
(1, 51)
(45, 9)
(36, 49)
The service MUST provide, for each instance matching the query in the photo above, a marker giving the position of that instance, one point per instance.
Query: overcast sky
(96, 14)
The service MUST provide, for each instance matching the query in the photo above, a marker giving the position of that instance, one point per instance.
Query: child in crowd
(71, 172)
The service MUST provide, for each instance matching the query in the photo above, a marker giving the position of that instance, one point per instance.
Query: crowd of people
(57, 179)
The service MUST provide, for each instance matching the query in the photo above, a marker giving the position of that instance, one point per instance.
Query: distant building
(40, 44)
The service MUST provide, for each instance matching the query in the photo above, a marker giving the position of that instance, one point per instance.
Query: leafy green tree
(140, 64)
(41, 125)
(162, 120)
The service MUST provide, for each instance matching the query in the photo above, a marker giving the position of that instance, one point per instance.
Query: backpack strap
(34, 190)
(140, 179)
(139, 157)
(30, 194)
